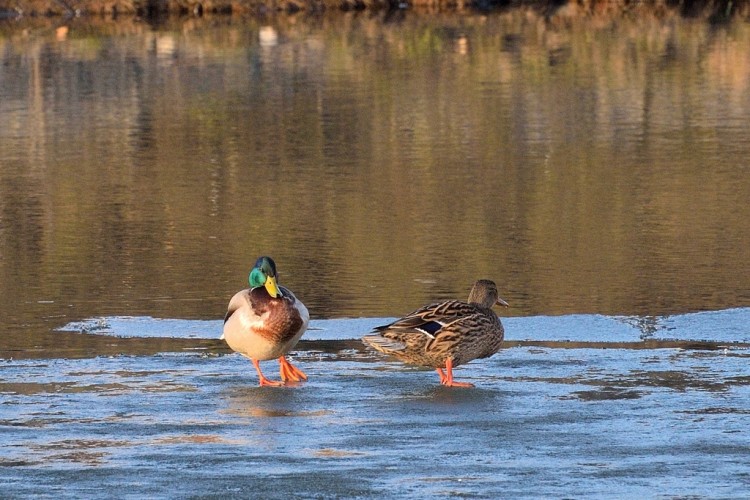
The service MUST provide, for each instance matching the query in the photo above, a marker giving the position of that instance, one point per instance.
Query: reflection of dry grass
(565, 224)
(633, 384)
(274, 413)
(83, 457)
(78, 444)
(556, 11)
(606, 394)
(31, 388)
(334, 453)
(84, 451)
(718, 411)
(192, 439)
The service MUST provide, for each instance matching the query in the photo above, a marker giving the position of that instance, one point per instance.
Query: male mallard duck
(445, 334)
(266, 321)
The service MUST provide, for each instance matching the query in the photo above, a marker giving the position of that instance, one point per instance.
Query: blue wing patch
(430, 328)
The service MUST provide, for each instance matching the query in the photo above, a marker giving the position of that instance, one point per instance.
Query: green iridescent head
(264, 274)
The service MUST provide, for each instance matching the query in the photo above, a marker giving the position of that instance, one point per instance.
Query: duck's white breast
(241, 330)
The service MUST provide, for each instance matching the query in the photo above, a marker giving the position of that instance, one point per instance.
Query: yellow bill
(272, 287)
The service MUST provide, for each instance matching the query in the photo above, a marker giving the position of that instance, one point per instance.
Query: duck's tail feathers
(383, 344)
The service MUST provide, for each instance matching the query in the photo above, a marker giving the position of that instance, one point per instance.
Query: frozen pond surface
(729, 325)
(543, 421)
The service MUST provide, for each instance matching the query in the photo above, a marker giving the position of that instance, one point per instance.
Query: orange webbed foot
(262, 380)
(289, 372)
(447, 378)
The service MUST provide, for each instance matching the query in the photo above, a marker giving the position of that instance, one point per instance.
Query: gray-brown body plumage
(453, 329)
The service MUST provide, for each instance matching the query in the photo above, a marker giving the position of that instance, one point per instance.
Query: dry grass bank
(559, 9)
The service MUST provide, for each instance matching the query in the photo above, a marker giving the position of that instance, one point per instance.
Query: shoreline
(711, 10)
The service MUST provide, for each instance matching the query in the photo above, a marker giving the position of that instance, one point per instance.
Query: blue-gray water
(596, 168)
(543, 420)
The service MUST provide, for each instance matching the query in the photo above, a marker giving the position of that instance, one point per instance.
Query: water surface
(588, 167)
(596, 168)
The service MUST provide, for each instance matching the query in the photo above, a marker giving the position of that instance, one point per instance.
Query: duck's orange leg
(262, 380)
(448, 381)
(441, 374)
(289, 372)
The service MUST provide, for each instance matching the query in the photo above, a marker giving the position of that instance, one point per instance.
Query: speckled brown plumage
(445, 334)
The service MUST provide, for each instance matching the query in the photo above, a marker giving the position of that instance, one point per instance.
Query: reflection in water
(588, 166)
(268, 402)
(648, 325)
(606, 394)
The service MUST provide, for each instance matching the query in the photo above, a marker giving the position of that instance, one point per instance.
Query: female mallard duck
(445, 334)
(266, 321)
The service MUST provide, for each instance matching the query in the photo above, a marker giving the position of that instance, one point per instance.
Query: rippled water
(383, 162)
(596, 168)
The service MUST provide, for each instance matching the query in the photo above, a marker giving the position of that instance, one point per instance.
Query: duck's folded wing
(236, 302)
(466, 331)
(239, 299)
(431, 318)
(383, 344)
(476, 322)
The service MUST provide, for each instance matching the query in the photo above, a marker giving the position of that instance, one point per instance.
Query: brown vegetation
(561, 9)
